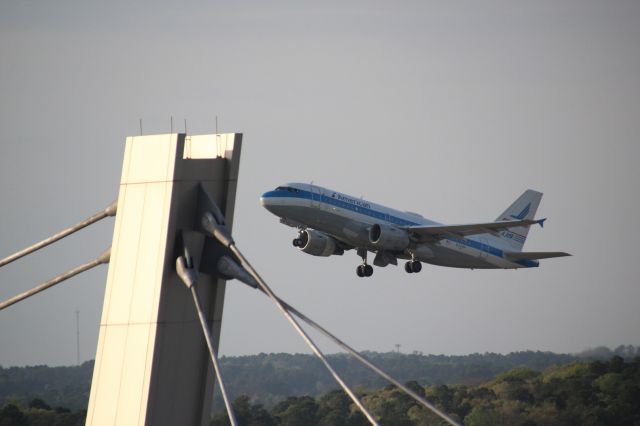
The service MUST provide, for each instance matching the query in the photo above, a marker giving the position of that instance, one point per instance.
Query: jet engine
(318, 244)
(388, 238)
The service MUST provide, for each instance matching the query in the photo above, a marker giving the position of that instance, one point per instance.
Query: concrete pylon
(152, 365)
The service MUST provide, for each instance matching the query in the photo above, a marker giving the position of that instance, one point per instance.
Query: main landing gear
(364, 270)
(413, 266)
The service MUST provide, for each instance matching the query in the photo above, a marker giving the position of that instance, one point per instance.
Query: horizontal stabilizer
(533, 255)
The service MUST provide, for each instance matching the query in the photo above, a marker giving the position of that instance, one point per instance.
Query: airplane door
(315, 197)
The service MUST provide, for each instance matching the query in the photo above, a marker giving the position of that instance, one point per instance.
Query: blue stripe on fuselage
(359, 207)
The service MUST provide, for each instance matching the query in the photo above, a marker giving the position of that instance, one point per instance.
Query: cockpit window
(287, 188)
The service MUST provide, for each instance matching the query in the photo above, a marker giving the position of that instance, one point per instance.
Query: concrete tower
(152, 366)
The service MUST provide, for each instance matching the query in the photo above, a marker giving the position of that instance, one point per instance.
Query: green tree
(246, 414)
(390, 406)
(416, 387)
(12, 415)
(38, 403)
(483, 415)
(582, 393)
(296, 411)
(334, 409)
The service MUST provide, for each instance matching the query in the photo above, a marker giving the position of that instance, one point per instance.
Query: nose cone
(267, 199)
(276, 201)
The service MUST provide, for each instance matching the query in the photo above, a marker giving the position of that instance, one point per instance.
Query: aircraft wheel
(416, 266)
(408, 268)
(360, 271)
(297, 242)
(368, 270)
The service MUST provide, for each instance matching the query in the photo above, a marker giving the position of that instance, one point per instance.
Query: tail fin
(524, 207)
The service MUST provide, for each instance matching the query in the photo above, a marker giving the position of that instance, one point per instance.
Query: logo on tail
(524, 207)
(523, 213)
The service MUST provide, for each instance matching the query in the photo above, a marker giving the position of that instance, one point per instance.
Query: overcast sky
(450, 109)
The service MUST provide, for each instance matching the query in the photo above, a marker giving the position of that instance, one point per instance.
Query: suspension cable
(102, 259)
(221, 233)
(358, 356)
(188, 277)
(110, 210)
(368, 363)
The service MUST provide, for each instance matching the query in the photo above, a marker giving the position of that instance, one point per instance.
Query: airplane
(330, 222)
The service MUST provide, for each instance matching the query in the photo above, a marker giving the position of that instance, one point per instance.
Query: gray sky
(444, 108)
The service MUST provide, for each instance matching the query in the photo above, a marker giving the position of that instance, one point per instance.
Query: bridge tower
(152, 366)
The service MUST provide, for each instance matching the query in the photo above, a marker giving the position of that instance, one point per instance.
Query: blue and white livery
(330, 222)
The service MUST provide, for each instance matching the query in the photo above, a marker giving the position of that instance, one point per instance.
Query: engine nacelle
(389, 238)
(318, 244)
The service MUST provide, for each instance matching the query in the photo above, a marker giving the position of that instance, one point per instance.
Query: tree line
(581, 393)
(269, 378)
(39, 413)
(578, 393)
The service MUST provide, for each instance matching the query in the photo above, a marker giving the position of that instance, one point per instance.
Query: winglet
(541, 222)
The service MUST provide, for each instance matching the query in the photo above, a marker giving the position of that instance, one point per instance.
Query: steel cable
(221, 233)
(110, 210)
(305, 336)
(368, 363)
(188, 277)
(103, 258)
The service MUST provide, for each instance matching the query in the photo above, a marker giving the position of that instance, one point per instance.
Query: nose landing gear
(364, 270)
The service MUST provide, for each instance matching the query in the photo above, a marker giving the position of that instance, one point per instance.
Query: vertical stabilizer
(524, 207)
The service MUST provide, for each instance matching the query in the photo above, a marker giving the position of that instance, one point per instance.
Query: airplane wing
(533, 255)
(438, 232)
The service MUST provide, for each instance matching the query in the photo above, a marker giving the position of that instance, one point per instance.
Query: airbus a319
(330, 222)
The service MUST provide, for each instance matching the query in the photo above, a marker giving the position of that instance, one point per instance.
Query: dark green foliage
(11, 415)
(296, 411)
(334, 409)
(38, 403)
(478, 388)
(59, 386)
(581, 393)
(246, 414)
(39, 414)
(269, 378)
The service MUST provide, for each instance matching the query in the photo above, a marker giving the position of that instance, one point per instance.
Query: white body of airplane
(330, 222)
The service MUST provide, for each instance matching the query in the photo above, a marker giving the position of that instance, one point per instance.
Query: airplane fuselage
(349, 219)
